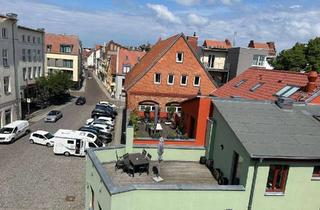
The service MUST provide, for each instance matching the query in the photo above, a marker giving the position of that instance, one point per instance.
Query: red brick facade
(146, 90)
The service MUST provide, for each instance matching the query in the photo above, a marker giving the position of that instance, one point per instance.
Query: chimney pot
(312, 78)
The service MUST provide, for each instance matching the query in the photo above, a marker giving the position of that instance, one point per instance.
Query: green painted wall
(225, 137)
(109, 154)
(301, 192)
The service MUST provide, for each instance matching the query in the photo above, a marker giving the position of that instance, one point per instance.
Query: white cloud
(296, 6)
(230, 2)
(188, 2)
(164, 13)
(197, 20)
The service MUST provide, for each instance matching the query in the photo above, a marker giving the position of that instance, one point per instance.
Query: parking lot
(32, 177)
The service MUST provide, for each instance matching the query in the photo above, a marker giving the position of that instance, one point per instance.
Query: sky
(134, 22)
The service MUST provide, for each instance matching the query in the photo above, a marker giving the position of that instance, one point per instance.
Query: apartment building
(9, 102)
(63, 53)
(30, 60)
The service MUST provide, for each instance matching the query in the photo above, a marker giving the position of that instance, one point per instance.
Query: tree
(54, 87)
(300, 57)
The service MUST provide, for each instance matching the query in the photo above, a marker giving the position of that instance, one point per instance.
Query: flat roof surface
(173, 172)
(267, 131)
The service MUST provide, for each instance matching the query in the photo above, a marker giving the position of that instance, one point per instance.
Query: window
(123, 80)
(49, 46)
(6, 85)
(92, 145)
(24, 72)
(39, 71)
(23, 38)
(179, 57)
(183, 80)
(28, 38)
(256, 86)
(34, 39)
(67, 63)
(24, 55)
(157, 78)
(65, 48)
(277, 178)
(39, 40)
(70, 142)
(30, 73)
(35, 72)
(34, 55)
(29, 55)
(287, 91)
(39, 56)
(113, 79)
(7, 116)
(143, 107)
(196, 81)
(126, 68)
(240, 83)
(170, 79)
(177, 108)
(316, 172)
(4, 33)
(5, 58)
(90, 135)
(258, 60)
(211, 61)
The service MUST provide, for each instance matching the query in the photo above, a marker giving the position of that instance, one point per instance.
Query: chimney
(312, 78)
(228, 43)
(251, 44)
(193, 41)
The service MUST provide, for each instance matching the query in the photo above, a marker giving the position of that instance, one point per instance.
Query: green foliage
(55, 85)
(171, 110)
(300, 57)
(134, 118)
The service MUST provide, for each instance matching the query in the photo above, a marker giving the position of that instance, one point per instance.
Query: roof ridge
(279, 70)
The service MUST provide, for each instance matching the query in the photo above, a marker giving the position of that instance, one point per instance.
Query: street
(32, 177)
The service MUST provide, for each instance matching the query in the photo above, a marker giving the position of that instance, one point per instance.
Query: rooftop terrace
(173, 172)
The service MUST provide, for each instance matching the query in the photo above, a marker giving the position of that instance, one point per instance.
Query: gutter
(253, 184)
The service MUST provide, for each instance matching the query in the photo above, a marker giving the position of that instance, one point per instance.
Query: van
(70, 142)
(14, 130)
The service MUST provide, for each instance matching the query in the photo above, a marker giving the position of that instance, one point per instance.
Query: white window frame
(260, 61)
(29, 73)
(211, 59)
(4, 33)
(5, 61)
(194, 81)
(39, 71)
(155, 77)
(186, 80)
(8, 92)
(172, 79)
(142, 107)
(24, 74)
(177, 109)
(35, 72)
(182, 57)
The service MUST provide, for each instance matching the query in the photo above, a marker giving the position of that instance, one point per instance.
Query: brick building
(168, 74)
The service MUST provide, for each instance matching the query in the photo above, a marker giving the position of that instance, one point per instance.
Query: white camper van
(14, 130)
(70, 142)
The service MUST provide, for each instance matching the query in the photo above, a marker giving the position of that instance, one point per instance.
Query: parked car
(14, 130)
(42, 137)
(81, 100)
(102, 127)
(106, 107)
(96, 113)
(106, 119)
(108, 104)
(53, 116)
(103, 136)
(103, 122)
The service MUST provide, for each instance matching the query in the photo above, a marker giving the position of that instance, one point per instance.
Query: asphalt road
(32, 177)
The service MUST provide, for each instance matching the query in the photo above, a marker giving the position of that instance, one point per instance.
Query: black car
(102, 113)
(81, 100)
(106, 107)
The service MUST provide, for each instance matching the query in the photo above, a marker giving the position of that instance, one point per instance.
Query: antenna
(234, 39)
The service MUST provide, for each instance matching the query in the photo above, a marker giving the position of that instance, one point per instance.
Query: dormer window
(126, 68)
(65, 48)
(258, 60)
(179, 57)
(49, 47)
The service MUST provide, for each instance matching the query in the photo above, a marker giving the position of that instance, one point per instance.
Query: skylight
(256, 86)
(287, 91)
(240, 83)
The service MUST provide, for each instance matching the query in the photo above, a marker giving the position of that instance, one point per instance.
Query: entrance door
(78, 145)
(235, 179)
(210, 137)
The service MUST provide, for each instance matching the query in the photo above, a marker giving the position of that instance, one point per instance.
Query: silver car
(53, 116)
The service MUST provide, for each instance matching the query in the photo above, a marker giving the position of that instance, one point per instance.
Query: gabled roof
(217, 44)
(128, 58)
(270, 46)
(149, 59)
(272, 82)
(55, 40)
(267, 131)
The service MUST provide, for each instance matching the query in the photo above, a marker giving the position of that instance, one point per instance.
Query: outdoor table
(139, 161)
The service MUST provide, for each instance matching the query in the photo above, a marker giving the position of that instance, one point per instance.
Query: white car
(108, 104)
(104, 128)
(105, 120)
(42, 137)
(14, 130)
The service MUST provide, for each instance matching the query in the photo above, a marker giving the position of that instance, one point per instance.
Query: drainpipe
(253, 184)
(17, 85)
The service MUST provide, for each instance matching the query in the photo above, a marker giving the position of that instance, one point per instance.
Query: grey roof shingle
(266, 131)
